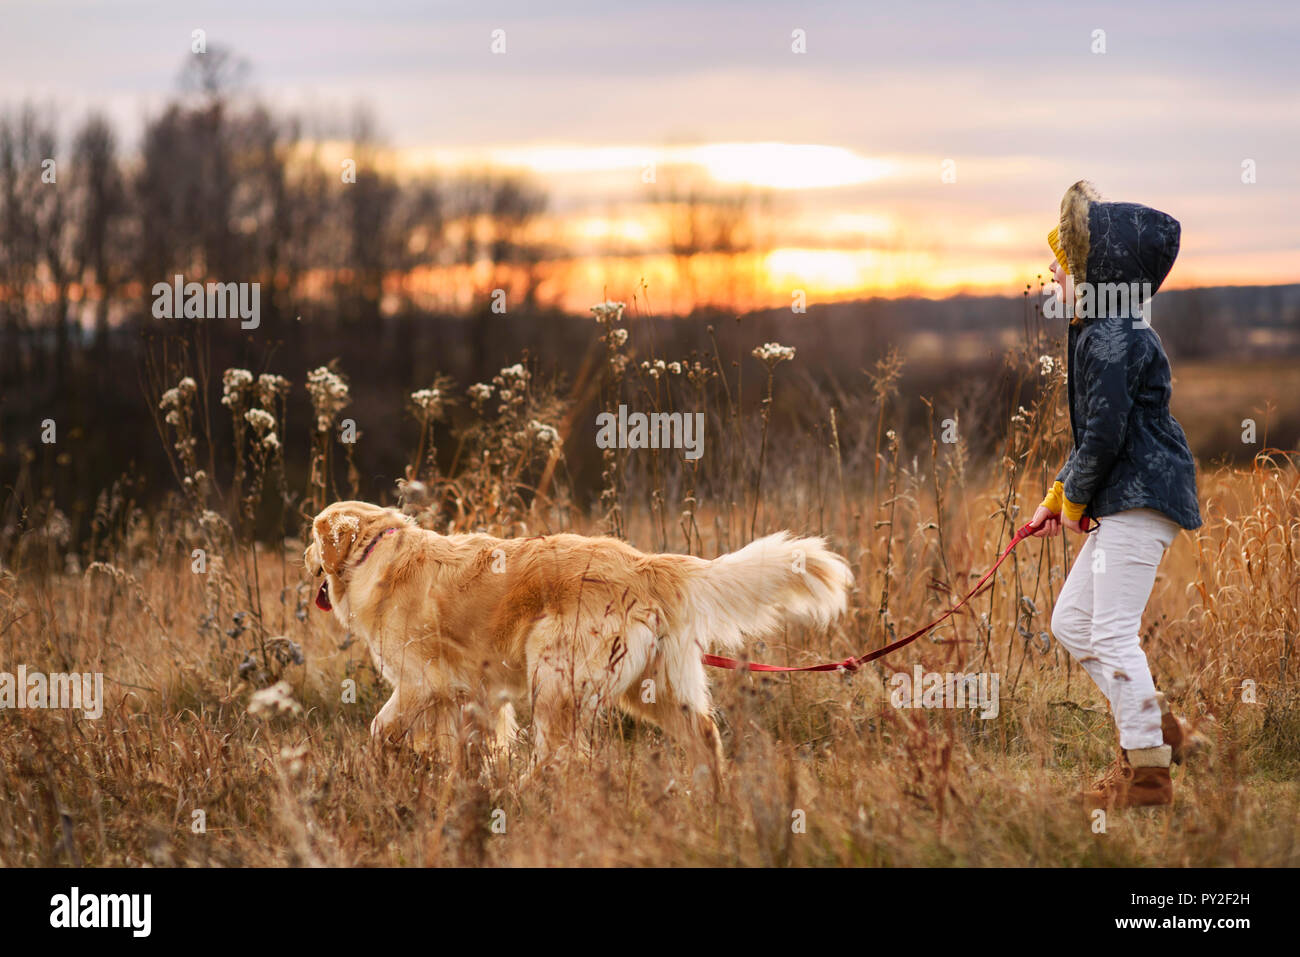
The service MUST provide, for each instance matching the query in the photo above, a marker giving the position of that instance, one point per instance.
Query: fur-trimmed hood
(1106, 242)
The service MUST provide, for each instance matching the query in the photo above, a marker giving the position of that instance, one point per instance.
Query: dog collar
(373, 542)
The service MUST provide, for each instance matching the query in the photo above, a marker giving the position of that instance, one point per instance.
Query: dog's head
(341, 537)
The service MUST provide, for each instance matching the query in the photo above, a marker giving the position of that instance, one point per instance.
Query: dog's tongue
(323, 596)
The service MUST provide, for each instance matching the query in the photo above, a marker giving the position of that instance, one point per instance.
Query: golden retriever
(572, 623)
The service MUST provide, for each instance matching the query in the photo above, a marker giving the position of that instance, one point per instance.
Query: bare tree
(101, 214)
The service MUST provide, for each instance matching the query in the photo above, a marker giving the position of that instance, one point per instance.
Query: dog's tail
(753, 592)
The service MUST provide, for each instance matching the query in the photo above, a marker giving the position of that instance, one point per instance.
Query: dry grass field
(190, 766)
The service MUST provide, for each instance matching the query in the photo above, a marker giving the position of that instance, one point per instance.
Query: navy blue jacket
(1129, 451)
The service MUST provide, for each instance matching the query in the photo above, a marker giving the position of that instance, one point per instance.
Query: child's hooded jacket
(1129, 451)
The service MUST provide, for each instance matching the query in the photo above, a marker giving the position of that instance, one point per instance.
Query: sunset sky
(845, 144)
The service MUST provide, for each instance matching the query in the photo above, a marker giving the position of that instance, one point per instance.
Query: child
(1130, 473)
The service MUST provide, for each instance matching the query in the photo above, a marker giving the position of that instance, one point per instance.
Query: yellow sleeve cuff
(1071, 510)
(1054, 499)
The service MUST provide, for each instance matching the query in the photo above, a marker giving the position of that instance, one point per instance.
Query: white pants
(1099, 613)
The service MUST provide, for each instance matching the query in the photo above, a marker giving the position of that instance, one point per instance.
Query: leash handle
(1086, 524)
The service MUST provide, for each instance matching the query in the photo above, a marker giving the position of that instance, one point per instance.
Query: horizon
(838, 160)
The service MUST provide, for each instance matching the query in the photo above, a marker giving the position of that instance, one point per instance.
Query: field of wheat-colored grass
(822, 768)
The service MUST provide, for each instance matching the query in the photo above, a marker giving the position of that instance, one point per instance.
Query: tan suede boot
(1137, 778)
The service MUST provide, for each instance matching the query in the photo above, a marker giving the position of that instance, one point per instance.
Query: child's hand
(1045, 523)
(1073, 525)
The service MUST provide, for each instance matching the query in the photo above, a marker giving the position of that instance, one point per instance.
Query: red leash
(852, 663)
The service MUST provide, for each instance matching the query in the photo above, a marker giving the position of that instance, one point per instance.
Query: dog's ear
(338, 532)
